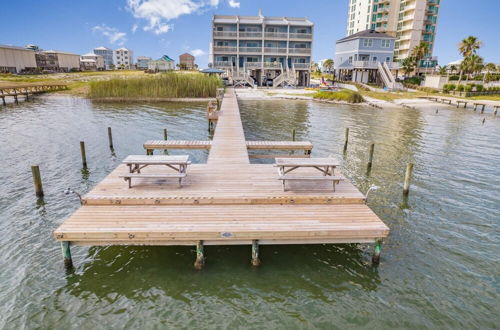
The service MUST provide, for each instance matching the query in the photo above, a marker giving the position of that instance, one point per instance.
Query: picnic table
(326, 166)
(136, 163)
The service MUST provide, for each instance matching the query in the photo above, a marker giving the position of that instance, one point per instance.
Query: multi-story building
(165, 63)
(16, 59)
(186, 61)
(142, 62)
(54, 60)
(123, 58)
(410, 21)
(91, 62)
(263, 50)
(107, 55)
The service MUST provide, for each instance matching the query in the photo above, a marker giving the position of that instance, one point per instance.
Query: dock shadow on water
(438, 266)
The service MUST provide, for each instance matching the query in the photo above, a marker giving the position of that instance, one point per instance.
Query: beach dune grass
(166, 85)
(342, 95)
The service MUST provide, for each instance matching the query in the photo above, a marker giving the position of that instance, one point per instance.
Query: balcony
(225, 34)
(253, 65)
(274, 50)
(252, 50)
(304, 51)
(251, 35)
(224, 49)
(302, 36)
(276, 35)
(260, 65)
(301, 66)
(223, 65)
(373, 65)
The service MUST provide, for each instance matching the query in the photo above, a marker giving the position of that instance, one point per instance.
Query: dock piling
(110, 138)
(200, 257)
(165, 134)
(293, 134)
(255, 253)
(84, 156)
(37, 180)
(346, 139)
(66, 252)
(370, 156)
(376, 252)
(406, 186)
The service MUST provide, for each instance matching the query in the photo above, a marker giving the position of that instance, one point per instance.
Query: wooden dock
(226, 201)
(27, 90)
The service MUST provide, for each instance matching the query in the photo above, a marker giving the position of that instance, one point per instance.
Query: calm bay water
(439, 267)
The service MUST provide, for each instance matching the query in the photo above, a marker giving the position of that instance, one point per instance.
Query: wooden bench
(137, 162)
(333, 179)
(460, 102)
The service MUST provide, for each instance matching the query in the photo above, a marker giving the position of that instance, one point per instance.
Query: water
(439, 267)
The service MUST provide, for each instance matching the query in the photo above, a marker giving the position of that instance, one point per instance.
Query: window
(367, 42)
(388, 59)
(350, 59)
(374, 59)
(386, 43)
(220, 28)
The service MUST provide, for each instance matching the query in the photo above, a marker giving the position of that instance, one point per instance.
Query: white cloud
(113, 34)
(134, 28)
(233, 4)
(198, 52)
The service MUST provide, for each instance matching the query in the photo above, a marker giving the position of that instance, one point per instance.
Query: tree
(328, 64)
(490, 67)
(472, 64)
(418, 53)
(443, 70)
(407, 65)
(467, 47)
(453, 68)
(314, 67)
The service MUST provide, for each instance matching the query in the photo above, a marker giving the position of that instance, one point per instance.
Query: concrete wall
(435, 81)
(68, 61)
(17, 58)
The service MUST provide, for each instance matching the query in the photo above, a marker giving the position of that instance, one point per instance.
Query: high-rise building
(410, 21)
(263, 50)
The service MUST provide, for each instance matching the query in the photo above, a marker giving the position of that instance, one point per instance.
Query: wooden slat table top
(283, 145)
(156, 159)
(307, 162)
(177, 144)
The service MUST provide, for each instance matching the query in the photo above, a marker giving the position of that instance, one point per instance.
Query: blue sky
(172, 27)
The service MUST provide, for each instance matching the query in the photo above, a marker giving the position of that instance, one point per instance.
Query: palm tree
(490, 67)
(468, 47)
(418, 53)
(314, 67)
(472, 64)
(443, 70)
(453, 68)
(407, 65)
(328, 64)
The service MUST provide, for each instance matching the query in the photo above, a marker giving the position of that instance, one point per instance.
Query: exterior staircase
(287, 78)
(388, 78)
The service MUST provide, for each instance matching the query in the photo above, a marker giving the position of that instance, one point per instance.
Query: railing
(253, 65)
(223, 64)
(373, 64)
(302, 66)
(225, 34)
(307, 36)
(272, 65)
(275, 50)
(299, 50)
(278, 35)
(250, 49)
(251, 34)
(226, 49)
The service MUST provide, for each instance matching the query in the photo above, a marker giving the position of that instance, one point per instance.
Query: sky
(171, 27)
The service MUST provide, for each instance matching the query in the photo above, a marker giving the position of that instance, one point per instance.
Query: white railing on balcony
(223, 64)
(250, 49)
(224, 49)
(276, 35)
(299, 50)
(253, 65)
(251, 35)
(373, 65)
(274, 50)
(225, 34)
(301, 66)
(307, 36)
(272, 65)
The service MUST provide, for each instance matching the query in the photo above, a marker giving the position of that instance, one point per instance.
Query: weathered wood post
(293, 134)
(255, 253)
(376, 251)
(496, 110)
(482, 108)
(84, 156)
(37, 180)
(346, 139)
(165, 134)
(110, 138)
(200, 257)
(66, 252)
(370, 156)
(406, 186)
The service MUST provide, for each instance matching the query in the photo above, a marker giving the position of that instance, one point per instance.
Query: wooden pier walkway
(16, 90)
(226, 201)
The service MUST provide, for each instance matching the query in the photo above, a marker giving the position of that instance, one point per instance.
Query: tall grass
(167, 85)
(346, 95)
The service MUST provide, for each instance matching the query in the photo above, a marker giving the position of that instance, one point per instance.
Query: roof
(59, 52)
(186, 54)
(367, 34)
(269, 20)
(90, 54)
(123, 48)
(16, 48)
(102, 48)
(165, 58)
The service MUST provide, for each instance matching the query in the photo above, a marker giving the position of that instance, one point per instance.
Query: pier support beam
(110, 138)
(376, 252)
(346, 139)
(406, 185)
(66, 252)
(200, 257)
(255, 253)
(370, 157)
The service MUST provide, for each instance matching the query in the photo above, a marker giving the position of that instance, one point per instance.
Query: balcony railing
(276, 35)
(307, 36)
(223, 64)
(302, 66)
(257, 35)
(274, 50)
(373, 65)
(224, 49)
(250, 49)
(253, 65)
(299, 50)
(225, 34)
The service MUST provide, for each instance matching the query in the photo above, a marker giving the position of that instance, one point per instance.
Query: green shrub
(414, 80)
(454, 77)
(468, 88)
(167, 85)
(346, 95)
(479, 88)
(428, 89)
(460, 88)
(449, 87)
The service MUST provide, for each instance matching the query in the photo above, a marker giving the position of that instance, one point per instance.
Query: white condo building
(107, 55)
(410, 21)
(123, 58)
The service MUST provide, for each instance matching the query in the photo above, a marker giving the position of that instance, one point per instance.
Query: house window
(350, 59)
(387, 59)
(374, 59)
(367, 42)
(386, 43)
(220, 28)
